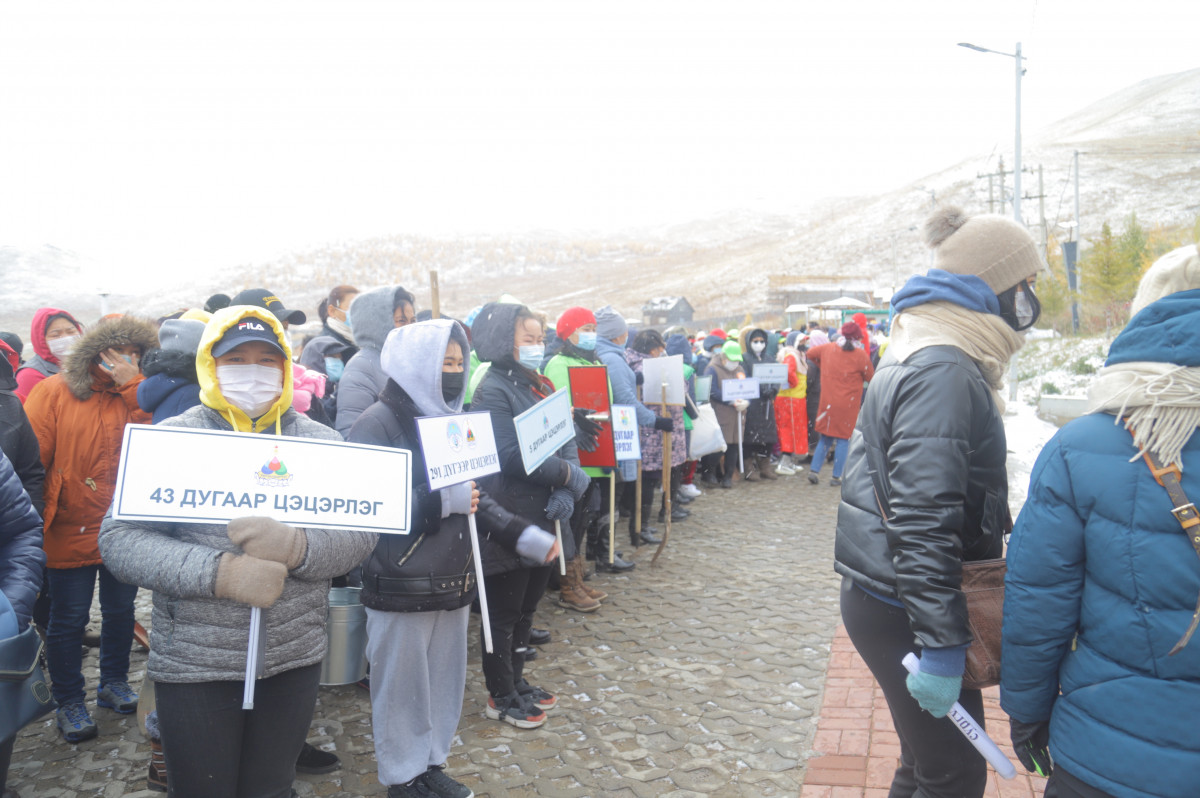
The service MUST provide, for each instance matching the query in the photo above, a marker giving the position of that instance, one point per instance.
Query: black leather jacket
(928, 454)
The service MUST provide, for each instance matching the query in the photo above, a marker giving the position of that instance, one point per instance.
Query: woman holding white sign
(418, 587)
(207, 577)
(511, 338)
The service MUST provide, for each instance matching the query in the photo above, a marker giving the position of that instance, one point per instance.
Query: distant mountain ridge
(1140, 151)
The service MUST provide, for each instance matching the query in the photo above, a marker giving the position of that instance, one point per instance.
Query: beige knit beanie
(1178, 270)
(992, 247)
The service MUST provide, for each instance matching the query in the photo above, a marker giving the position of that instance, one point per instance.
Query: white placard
(771, 373)
(703, 389)
(212, 476)
(457, 448)
(659, 370)
(544, 428)
(739, 389)
(625, 433)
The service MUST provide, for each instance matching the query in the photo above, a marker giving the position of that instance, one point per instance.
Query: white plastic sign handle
(974, 733)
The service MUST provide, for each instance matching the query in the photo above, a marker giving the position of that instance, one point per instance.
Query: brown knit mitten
(268, 539)
(249, 580)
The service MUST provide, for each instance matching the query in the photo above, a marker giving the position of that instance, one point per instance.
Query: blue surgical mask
(334, 367)
(587, 340)
(531, 356)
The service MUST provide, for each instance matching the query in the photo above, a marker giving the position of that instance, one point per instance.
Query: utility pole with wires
(1000, 173)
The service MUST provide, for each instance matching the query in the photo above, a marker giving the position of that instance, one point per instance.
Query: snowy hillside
(1140, 151)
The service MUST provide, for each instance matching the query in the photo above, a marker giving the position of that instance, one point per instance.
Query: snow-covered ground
(1055, 365)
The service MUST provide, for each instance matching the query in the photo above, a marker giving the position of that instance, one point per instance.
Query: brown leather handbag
(983, 585)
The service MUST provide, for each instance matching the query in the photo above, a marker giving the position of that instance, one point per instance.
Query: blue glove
(561, 505)
(935, 694)
(577, 482)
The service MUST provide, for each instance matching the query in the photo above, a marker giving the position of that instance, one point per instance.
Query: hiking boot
(574, 598)
(443, 786)
(315, 761)
(813, 479)
(540, 698)
(539, 637)
(417, 788)
(117, 696)
(515, 711)
(75, 723)
(156, 777)
(765, 469)
(598, 595)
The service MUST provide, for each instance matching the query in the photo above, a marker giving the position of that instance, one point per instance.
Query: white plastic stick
(252, 657)
(612, 516)
(741, 460)
(971, 730)
(562, 555)
(484, 617)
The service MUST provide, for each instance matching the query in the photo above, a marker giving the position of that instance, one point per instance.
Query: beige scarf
(1159, 402)
(984, 337)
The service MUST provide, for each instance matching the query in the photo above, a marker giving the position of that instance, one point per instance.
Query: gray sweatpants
(418, 675)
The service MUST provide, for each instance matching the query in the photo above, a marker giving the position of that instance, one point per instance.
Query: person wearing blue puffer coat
(21, 562)
(1102, 579)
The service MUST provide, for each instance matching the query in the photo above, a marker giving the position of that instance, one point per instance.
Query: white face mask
(61, 347)
(1023, 309)
(251, 388)
(758, 346)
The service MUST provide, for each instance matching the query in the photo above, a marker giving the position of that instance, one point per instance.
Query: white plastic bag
(707, 437)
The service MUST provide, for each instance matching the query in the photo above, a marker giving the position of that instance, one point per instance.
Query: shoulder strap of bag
(1185, 513)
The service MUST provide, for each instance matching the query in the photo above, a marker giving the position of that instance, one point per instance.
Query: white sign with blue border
(544, 428)
(458, 448)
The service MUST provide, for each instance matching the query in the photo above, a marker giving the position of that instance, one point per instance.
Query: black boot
(618, 565)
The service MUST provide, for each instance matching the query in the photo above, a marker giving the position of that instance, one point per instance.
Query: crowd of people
(375, 365)
(1100, 579)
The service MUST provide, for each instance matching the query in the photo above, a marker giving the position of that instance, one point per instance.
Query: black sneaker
(542, 699)
(515, 710)
(539, 637)
(417, 788)
(443, 786)
(315, 761)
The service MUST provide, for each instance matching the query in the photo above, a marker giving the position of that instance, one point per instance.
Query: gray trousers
(418, 675)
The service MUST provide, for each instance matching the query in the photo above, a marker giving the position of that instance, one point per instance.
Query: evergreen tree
(1109, 278)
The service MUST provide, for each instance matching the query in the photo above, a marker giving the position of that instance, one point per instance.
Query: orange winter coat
(79, 416)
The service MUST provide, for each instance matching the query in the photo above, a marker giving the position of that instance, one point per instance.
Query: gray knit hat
(180, 335)
(995, 248)
(610, 324)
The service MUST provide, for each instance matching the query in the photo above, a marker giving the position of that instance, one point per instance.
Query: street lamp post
(1017, 161)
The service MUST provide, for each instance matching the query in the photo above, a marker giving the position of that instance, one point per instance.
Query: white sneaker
(690, 490)
(786, 468)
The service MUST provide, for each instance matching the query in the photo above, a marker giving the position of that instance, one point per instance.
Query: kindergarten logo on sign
(454, 436)
(273, 474)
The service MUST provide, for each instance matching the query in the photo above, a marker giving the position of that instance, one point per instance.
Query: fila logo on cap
(252, 325)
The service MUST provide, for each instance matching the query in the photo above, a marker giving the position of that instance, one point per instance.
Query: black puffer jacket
(929, 453)
(507, 390)
(430, 568)
(17, 439)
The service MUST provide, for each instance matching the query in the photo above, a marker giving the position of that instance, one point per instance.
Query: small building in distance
(667, 310)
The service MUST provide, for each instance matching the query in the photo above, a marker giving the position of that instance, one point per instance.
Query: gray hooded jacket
(363, 379)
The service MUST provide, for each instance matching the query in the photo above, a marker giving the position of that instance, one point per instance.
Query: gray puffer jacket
(199, 638)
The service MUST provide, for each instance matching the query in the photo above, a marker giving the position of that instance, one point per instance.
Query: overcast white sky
(150, 135)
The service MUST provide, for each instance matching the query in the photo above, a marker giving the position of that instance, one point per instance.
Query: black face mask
(1008, 307)
(452, 385)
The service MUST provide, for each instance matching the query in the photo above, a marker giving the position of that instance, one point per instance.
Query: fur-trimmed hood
(80, 370)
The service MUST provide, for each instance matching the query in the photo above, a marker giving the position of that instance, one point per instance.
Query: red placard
(589, 388)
